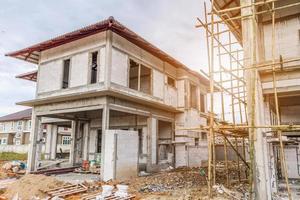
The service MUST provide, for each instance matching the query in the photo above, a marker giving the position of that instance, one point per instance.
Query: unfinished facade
(123, 97)
(254, 58)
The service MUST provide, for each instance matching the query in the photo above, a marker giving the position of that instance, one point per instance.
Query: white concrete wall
(119, 69)
(79, 70)
(120, 162)
(292, 161)
(181, 93)
(197, 154)
(158, 82)
(287, 38)
(51, 64)
(50, 76)
(290, 114)
(181, 155)
(171, 96)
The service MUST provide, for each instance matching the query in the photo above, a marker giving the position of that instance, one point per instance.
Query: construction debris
(55, 171)
(108, 193)
(13, 168)
(66, 190)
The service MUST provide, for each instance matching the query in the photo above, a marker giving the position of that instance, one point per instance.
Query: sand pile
(30, 185)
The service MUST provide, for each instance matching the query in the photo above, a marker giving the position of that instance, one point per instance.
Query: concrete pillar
(255, 103)
(152, 144)
(54, 142)
(105, 126)
(35, 124)
(108, 59)
(48, 141)
(86, 140)
(74, 125)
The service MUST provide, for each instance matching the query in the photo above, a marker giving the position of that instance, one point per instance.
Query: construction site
(115, 117)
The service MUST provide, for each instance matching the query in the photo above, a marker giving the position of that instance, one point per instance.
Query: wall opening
(145, 79)
(202, 103)
(66, 73)
(133, 75)
(165, 149)
(193, 96)
(140, 77)
(171, 82)
(94, 66)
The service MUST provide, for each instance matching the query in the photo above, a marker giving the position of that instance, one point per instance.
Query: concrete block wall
(50, 69)
(120, 162)
(287, 38)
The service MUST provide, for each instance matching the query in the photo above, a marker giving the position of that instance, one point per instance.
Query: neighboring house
(15, 131)
(15, 128)
(126, 100)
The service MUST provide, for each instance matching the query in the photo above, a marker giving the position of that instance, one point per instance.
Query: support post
(258, 174)
(105, 126)
(31, 161)
(86, 136)
(48, 142)
(226, 161)
(54, 142)
(74, 125)
(108, 58)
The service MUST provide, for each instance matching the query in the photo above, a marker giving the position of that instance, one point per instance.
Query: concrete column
(54, 142)
(152, 144)
(108, 59)
(35, 124)
(48, 141)
(74, 125)
(255, 107)
(86, 137)
(105, 126)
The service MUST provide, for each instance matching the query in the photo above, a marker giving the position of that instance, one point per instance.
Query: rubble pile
(12, 168)
(167, 181)
(232, 170)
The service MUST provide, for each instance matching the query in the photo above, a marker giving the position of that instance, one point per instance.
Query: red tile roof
(24, 114)
(32, 53)
(31, 76)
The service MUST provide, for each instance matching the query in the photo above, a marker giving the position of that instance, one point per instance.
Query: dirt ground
(30, 185)
(177, 184)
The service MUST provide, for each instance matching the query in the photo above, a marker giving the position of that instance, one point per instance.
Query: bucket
(107, 190)
(122, 191)
(85, 165)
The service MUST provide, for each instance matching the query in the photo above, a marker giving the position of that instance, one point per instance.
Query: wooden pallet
(66, 190)
(111, 197)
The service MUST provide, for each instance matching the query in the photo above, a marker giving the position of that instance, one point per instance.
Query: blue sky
(168, 24)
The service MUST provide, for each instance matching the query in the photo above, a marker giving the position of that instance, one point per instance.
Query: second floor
(15, 126)
(118, 60)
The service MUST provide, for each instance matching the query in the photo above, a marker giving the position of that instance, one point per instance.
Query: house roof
(24, 114)
(31, 76)
(32, 53)
(234, 25)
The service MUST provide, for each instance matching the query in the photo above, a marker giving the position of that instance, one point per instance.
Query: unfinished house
(123, 98)
(15, 132)
(254, 57)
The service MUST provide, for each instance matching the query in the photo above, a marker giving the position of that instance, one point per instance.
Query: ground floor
(124, 137)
